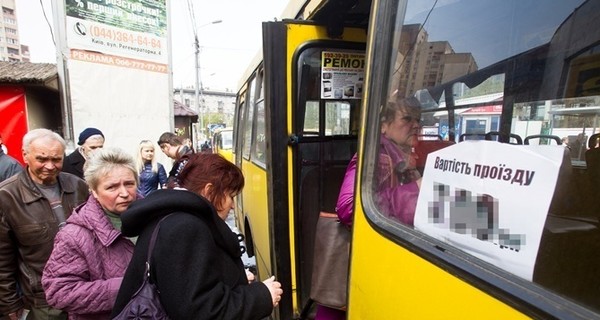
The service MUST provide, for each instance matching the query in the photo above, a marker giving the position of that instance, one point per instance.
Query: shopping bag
(329, 283)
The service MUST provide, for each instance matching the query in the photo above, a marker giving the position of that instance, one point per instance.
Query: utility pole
(197, 86)
(199, 107)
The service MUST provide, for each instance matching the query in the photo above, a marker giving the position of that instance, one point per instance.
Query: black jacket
(73, 163)
(196, 263)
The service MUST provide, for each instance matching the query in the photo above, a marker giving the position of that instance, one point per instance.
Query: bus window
(258, 152)
(248, 119)
(259, 147)
(311, 119)
(502, 71)
(337, 118)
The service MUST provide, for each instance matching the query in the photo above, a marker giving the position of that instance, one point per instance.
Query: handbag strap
(151, 246)
(328, 215)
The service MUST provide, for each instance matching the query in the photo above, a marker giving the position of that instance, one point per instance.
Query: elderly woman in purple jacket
(397, 183)
(90, 255)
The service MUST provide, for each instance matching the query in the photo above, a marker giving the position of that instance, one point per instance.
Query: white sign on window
(490, 200)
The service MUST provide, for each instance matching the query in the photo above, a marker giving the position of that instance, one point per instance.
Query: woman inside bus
(398, 182)
(196, 262)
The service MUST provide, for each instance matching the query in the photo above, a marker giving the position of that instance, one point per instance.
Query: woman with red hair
(196, 263)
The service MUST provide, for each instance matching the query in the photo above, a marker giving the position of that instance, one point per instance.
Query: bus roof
(354, 12)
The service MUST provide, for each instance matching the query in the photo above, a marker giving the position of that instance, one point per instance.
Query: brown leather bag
(329, 283)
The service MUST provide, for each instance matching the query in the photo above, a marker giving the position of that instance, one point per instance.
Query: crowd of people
(75, 229)
(74, 232)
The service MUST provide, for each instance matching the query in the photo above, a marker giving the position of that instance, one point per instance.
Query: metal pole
(197, 68)
(198, 93)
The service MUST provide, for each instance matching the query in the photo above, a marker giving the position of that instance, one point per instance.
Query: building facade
(214, 106)
(10, 45)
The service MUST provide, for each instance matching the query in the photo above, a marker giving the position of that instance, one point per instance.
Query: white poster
(136, 30)
(490, 200)
(119, 77)
(342, 75)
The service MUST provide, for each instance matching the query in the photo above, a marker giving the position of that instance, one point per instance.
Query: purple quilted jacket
(394, 199)
(87, 264)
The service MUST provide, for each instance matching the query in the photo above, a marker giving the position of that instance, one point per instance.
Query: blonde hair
(140, 161)
(105, 160)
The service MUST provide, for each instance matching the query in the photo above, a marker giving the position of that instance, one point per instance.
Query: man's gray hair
(103, 161)
(35, 134)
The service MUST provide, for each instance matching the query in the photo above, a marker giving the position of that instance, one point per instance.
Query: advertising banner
(135, 30)
(490, 200)
(342, 75)
(119, 78)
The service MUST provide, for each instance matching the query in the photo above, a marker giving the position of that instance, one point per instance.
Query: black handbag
(145, 302)
(330, 264)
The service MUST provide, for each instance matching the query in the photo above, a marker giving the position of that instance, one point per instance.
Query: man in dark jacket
(90, 139)
(172, 146)
(33, 206)
(9, 166)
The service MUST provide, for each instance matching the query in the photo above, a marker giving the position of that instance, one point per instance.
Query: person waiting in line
(33, 205)
(90, 255)
(196, 262)
(152, 174)
(90, 139)
(206, 147)
(398, 182)
(9, 166)
(172, 146)
(188, 142)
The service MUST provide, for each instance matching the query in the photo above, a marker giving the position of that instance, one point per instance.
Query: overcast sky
(226, 48)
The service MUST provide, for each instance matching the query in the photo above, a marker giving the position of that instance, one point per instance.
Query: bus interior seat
(564, 263)
(570, 233)
(425, 147)
(593, 141)
(504, 137)
(592, 161)
(543, 137)
(471, 136)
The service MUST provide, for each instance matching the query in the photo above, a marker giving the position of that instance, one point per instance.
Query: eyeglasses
(409, 119)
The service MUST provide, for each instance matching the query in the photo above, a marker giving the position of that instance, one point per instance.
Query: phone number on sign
(125, 37)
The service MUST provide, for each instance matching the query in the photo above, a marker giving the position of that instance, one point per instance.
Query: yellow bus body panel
(254, 197)
(389, 282)
(227, 154)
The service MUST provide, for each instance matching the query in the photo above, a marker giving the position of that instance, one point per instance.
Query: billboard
(116, 68)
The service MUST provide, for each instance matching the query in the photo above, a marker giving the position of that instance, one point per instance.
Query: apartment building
(10, 45)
